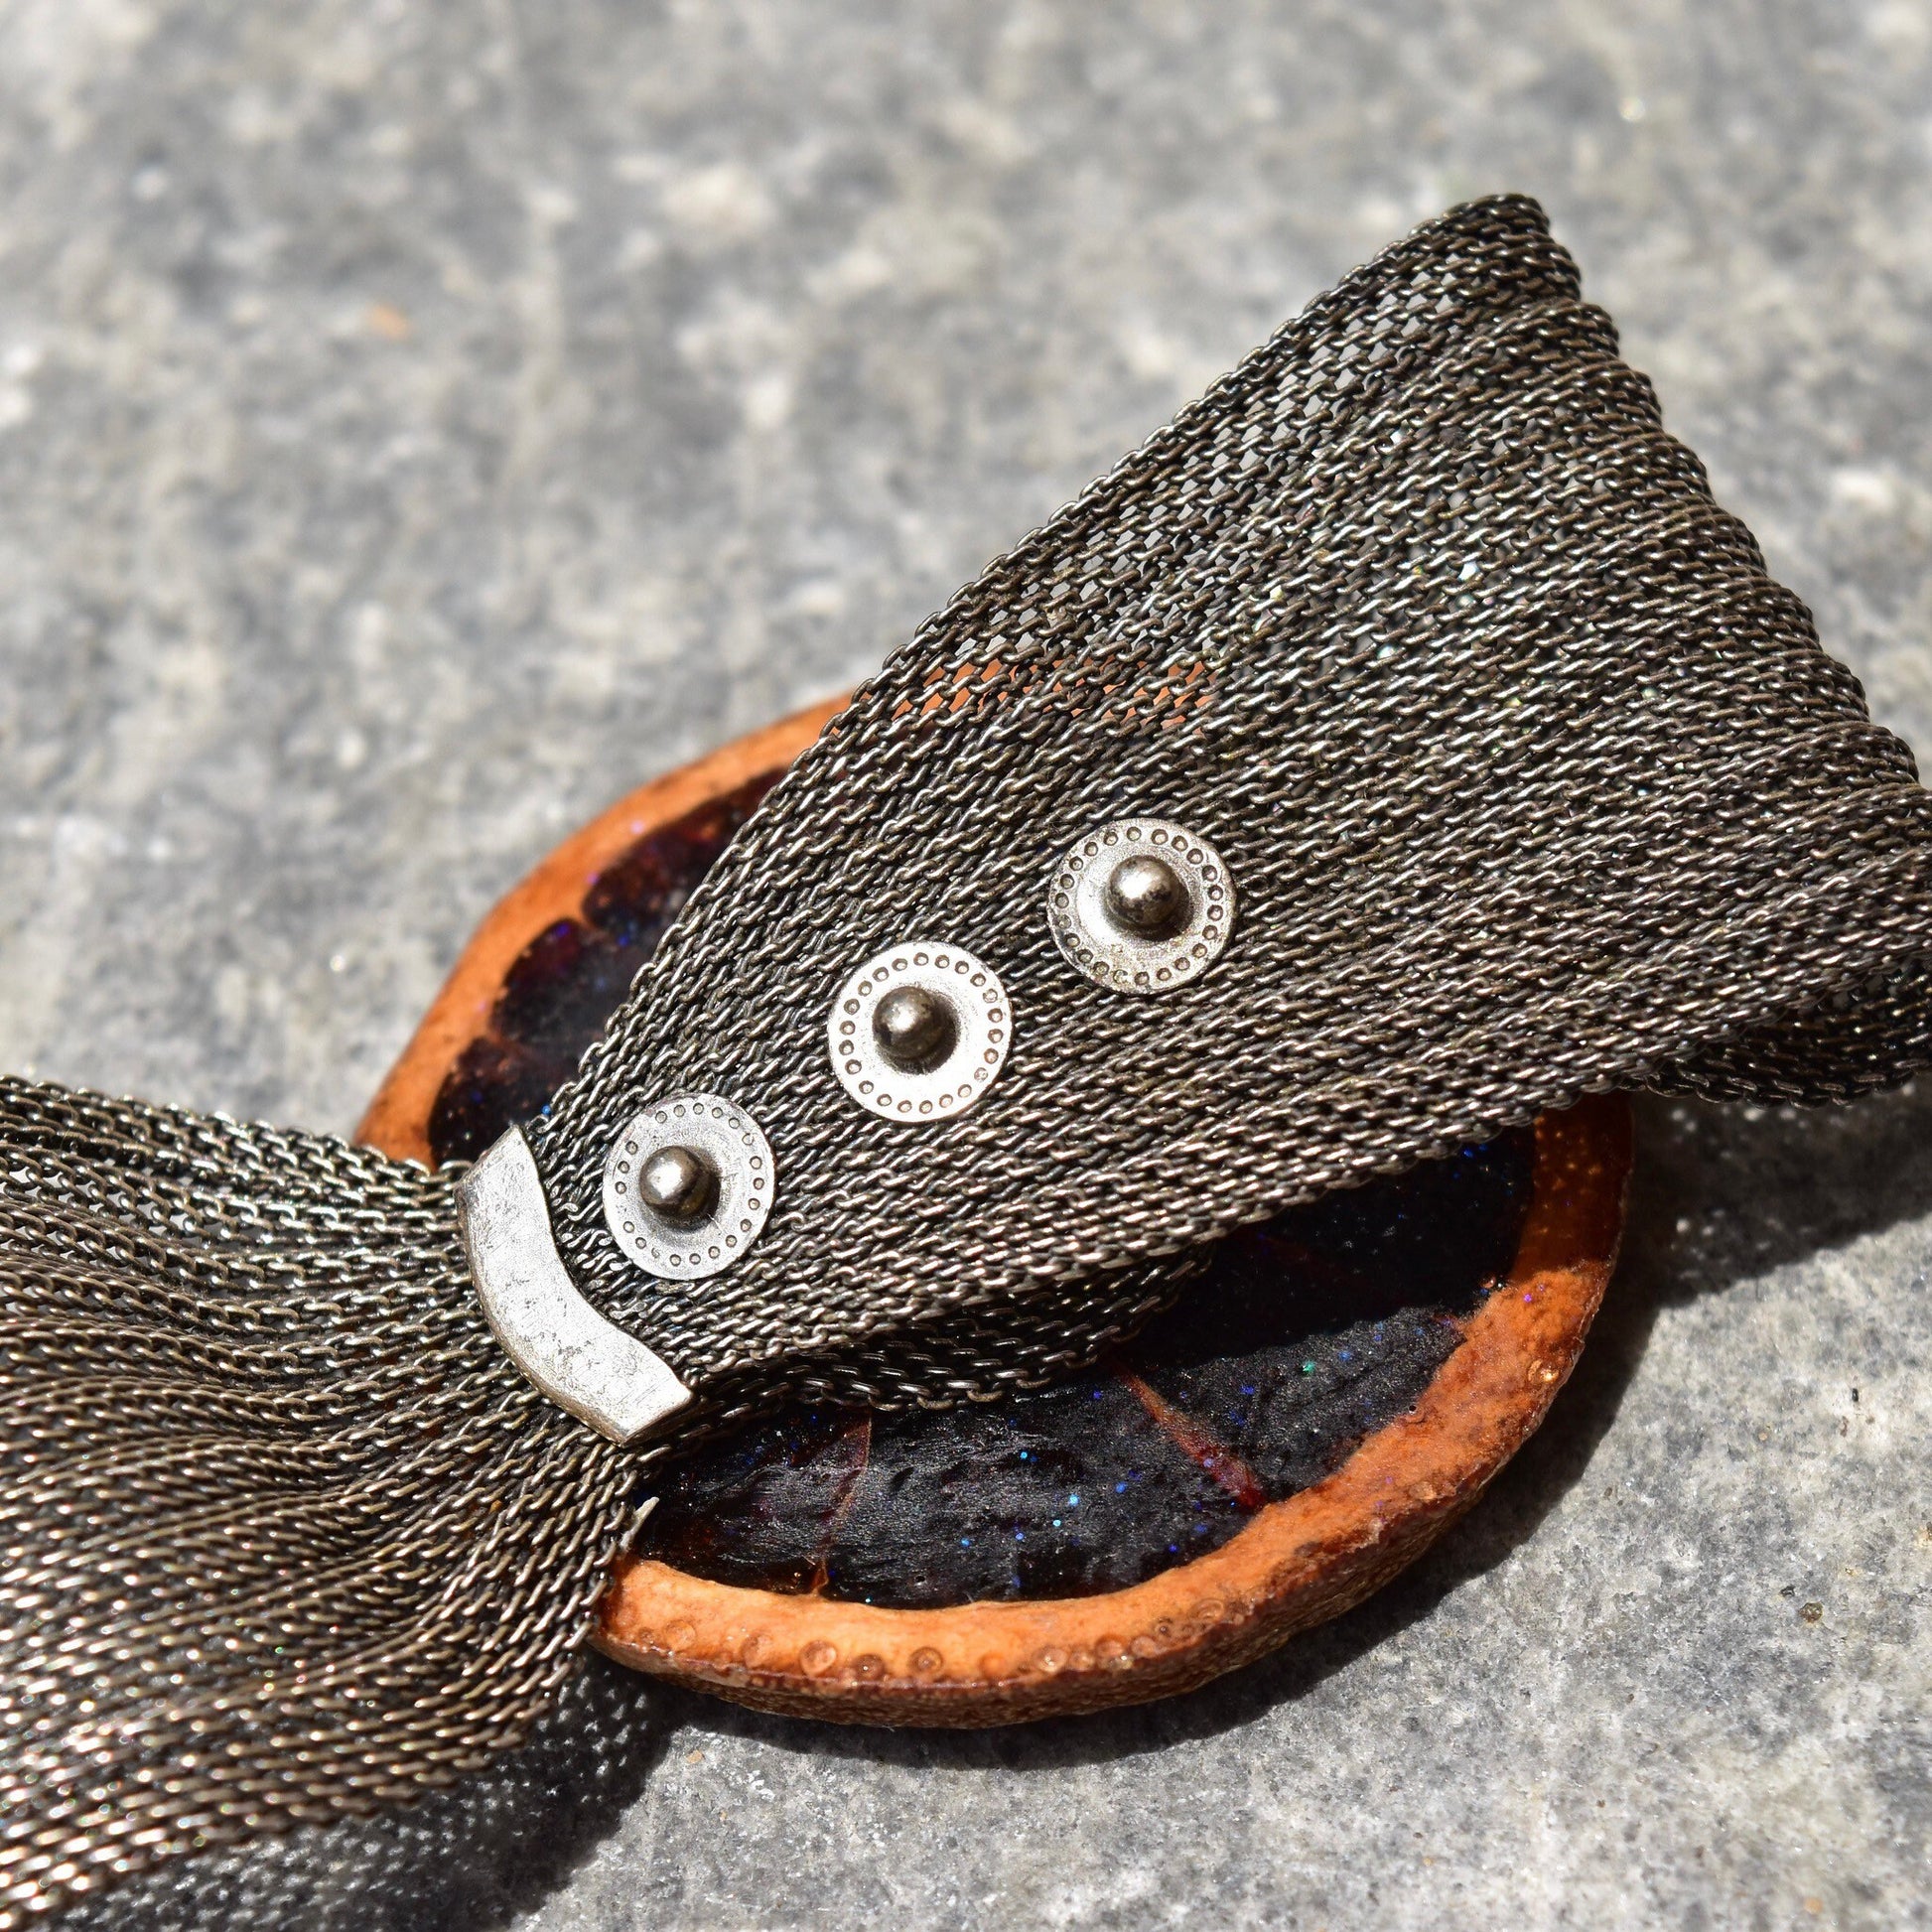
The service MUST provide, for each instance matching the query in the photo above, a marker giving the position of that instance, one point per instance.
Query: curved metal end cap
(583, 1362)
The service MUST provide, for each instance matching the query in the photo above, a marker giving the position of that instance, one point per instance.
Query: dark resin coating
(1303, 1337)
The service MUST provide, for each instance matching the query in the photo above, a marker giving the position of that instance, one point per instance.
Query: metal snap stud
(920, 1033)
(916, 1029)
(687, 1187)
(678, 1184)
(1145, 897)
(1142, 906)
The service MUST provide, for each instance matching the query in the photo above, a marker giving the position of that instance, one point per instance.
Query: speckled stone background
(420, 422)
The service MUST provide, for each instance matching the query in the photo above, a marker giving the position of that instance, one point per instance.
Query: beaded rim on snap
(734, 1146)
(1123, 961)
(981, 1011)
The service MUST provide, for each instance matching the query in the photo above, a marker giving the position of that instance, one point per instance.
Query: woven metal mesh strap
(1531, 780)
(286, 1536)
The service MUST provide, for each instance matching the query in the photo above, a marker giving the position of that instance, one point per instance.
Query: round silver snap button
(687, 1187)
(1142, 906)
(920, 1033)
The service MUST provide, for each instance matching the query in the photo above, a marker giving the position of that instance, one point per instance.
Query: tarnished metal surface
(1095, 937)
(293, 1534)
(979, 1037)
(1531, 781)
(728, 1141)
(581, 1361)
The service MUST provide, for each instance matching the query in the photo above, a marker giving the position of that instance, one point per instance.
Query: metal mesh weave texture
(1531, 780)
(1531, 783)
(286, 1535)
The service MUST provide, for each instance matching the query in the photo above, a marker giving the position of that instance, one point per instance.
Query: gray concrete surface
(419, 422)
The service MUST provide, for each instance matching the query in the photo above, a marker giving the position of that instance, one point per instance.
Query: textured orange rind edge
(1298, 1564)
(397, 1122)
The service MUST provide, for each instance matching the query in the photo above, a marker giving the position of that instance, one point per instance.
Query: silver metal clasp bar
(583, 1362)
